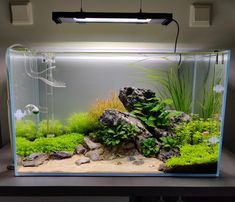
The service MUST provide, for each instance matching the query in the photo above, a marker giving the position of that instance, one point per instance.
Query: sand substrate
(119, 165)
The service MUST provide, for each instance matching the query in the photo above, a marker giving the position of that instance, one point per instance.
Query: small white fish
(218, 88)
(30, 108)
(19, 114)
(213, 140)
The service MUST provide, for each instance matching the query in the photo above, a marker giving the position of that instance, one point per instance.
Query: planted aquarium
(118, 113)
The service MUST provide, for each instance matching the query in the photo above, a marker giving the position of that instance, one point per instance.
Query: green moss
(48, 145)
(25, 129)
(197, 131)
(82, 123)
(194, 154)
(50, 128)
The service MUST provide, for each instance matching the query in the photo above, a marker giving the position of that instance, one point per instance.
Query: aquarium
(117, 113)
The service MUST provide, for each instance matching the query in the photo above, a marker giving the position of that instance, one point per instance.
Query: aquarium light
(101, 17)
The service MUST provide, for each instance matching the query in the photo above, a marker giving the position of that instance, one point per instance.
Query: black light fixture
(108, 17)
(101, 17)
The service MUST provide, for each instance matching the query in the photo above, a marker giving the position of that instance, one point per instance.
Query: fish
(213, 140)
(218, 88)
(19, 114)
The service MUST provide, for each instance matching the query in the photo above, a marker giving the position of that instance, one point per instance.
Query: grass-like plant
(49, 127)
(66, 142)
(153, 112)
(25, 129)
(149, 147)
(112, 102)
(176, 84)
(118, 134)
(193, 155)
(82, 123)
(212, 100)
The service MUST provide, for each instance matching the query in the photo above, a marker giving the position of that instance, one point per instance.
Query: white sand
(120, 165)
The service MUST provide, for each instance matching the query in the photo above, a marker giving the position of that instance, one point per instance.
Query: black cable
(81, 5)
(141, 6)
(177, 34)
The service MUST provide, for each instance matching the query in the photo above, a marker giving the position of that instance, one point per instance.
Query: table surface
(117, 186)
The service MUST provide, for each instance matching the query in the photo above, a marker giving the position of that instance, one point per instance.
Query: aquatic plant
(66, 142)
(118, 134)
(212, 93)
(149, 147)
(176, 83)
(152, 112)
(194, 154)
(25, 129)
(112, 102)
(197, 131)
(169, 142)
(49, 127)
(82, 123)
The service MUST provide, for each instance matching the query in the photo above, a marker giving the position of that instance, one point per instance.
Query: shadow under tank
(119, 113)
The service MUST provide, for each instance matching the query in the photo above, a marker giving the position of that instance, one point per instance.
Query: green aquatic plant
(49, 127)
(169, 142)
(194, 154)
(66, 142)
(118, 134)
(176, 84)
(197, 131)
(82, 123)
(152, 112)
(25, 129)
(212, 97)
(149, 147)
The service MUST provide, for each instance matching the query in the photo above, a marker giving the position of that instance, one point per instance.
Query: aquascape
(76, 113)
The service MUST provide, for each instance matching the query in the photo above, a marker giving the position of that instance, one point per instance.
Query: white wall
(45, 34)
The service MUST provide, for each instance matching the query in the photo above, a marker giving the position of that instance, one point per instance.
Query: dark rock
(131, 158)
(80, 149)
(60, 155)
(179, 117)
(35, 160)
(130, 96)
(138, 162)
(82, 161)
(158, 133)
(128, 146)
(95, 155)
(164, 155)
(162, 167)
(90, 144)
(111, 116)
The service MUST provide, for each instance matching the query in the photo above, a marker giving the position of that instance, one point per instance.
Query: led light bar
(98, 17)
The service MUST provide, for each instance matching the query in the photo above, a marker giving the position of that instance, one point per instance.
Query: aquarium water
(117, 114)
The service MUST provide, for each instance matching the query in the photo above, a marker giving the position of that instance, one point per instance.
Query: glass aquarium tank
(117, 113)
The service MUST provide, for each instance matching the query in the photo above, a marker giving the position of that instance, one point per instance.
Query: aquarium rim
(22, 48)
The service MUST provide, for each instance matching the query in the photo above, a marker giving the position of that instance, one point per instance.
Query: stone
(90, 144)
(158, 133)
(179, 117)
(95, 155)
(162, 167)
(138, 162)
(118, 163)
(82, 161)
(131, 158)
(111, 116)
(131, 95)
(35, 160)
(80, 149)
(60, 155)
(164, 155)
